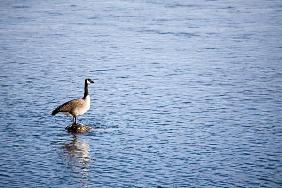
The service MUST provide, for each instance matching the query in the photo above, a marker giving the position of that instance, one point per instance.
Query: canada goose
(76, 107)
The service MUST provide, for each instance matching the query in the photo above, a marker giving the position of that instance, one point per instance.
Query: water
(187, 93)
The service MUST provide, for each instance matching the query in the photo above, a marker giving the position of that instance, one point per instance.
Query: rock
(78, 128)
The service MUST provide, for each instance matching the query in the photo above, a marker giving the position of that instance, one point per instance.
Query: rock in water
(78, 128)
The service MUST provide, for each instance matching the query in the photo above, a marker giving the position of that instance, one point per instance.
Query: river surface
(186, 93)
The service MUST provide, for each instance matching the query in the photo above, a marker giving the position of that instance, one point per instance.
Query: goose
(76, 107)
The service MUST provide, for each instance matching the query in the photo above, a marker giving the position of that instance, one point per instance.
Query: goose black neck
(85, 90)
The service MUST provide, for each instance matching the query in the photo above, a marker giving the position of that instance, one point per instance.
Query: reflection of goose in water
(78, 151)
(77, 156)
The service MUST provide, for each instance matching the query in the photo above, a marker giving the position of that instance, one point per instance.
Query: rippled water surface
(187, 93)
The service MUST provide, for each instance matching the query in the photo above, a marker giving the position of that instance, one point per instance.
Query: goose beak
(91, 81)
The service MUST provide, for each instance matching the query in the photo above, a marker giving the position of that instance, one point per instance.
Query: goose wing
(69, 106)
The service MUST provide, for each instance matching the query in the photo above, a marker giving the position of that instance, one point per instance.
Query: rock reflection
(78, 158)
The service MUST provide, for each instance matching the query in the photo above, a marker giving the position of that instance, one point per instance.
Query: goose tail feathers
(55, 111)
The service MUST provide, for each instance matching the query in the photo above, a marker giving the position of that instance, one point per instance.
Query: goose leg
(75, 119)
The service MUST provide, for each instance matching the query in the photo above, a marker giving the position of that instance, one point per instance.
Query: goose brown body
(75, 107)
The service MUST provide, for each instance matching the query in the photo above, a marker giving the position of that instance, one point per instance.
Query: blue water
(187, 93)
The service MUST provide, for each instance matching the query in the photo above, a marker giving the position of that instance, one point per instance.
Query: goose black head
(88, 81)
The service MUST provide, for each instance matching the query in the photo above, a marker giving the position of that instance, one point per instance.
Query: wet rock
(78, 128)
